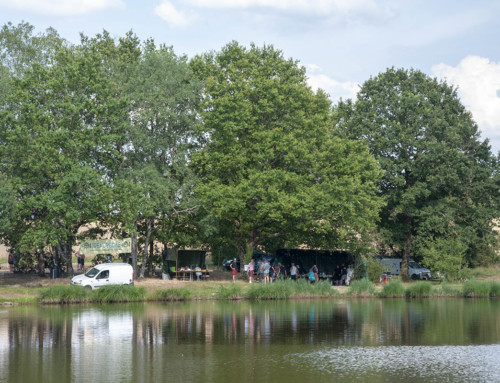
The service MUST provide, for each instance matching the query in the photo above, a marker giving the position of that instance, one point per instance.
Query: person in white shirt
(293, 272)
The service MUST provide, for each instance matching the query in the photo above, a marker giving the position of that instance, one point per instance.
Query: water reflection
(306, 340)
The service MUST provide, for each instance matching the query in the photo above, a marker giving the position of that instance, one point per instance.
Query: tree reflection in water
(207, 340)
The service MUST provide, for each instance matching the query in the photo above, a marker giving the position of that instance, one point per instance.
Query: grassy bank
(168, 291)
(276, 291)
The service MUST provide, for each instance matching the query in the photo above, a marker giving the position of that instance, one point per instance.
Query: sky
(342, 43)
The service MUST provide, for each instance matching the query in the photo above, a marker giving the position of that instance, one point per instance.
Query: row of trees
(231, 149)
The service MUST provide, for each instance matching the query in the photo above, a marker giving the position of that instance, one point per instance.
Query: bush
(393, 289)
(179, 294)
(233, 291)
(374, 268)
(117, 293)
(362, 287)
(472, 289)
(446, 255)
(418, 290)
(63, 294)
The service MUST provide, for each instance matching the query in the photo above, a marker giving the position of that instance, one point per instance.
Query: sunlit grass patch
(418, 290)
(394, 288)
(117, 293)
(361, 287)
(173, 294)
(63, 294)
(228, 291)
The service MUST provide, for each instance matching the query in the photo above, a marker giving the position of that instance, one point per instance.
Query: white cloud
(308, 6)
(61, 7)
(478, 82)
(175, 18)
(336, 89)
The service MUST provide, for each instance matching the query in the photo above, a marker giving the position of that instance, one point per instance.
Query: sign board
(106, 246)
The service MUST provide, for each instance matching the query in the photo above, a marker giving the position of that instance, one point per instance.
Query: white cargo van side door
(102, 279)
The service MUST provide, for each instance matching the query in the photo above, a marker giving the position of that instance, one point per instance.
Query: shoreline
(44, 291)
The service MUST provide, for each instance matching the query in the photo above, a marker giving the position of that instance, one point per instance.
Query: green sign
(106, 246)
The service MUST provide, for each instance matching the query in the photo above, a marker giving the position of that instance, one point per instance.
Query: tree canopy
(272, 174)
(439, 178)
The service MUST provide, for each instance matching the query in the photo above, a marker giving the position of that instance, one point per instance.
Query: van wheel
(88, 287)
(414, 276)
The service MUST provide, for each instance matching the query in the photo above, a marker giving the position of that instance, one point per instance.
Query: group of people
(268, 273)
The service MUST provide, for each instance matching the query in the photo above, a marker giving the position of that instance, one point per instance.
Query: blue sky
(340, 42)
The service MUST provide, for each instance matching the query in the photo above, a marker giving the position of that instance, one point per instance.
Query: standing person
(344, 275)
(251, 268)
(293, 272)
(336, 276)
(277, 271)
(283, 271)
(11, 261)
(267, 267)
(315, 272)
(233, 269)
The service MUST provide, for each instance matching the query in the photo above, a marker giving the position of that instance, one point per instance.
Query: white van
(415, 271)
(105, 274)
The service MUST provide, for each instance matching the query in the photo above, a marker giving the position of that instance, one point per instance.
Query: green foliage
(374, 269)
(393, 289)
(271, 171)
(474, 289)
(228, 292)
(440, 180)
(64, 294)
(7, 206)
(362, 287)
(446, 255)
(418, 290)
(173, 294)
(117, 293)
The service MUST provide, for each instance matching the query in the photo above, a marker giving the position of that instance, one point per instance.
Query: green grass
(393, 289)
(418, 290)
(474, 289)
(362, 287)
(63, 294)
(117, 293)
(229, 291)
(495, 289)
(276, 290)
(173, 294)
(448, 290)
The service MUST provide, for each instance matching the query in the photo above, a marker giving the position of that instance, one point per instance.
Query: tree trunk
(134, 248)
(407, 249)
(146, 247)
(150, 272)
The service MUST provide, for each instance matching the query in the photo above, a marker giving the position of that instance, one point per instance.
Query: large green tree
(439, 178)
(53, 141)
(271, 172)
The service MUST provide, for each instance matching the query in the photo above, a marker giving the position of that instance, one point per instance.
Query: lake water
(391, 340)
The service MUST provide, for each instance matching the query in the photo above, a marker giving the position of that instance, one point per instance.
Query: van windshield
(92, 273)
(414, 265)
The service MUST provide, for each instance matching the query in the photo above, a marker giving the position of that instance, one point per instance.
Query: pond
(432, 340)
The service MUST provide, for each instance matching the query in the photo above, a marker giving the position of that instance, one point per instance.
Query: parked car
(105, 274)
(415, 271)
